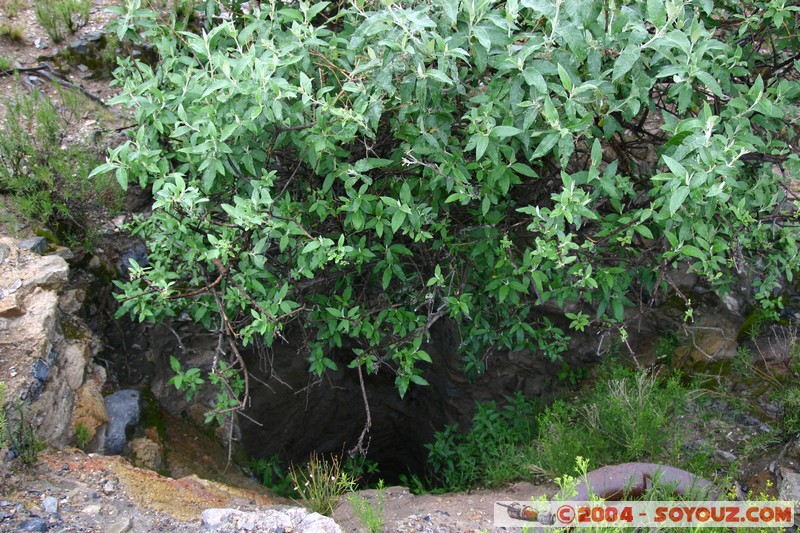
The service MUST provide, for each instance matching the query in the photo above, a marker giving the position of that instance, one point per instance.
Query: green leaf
(566, 81)
(624, 63)
(546, 145)
(502, 132)
(657, 12)
(710, 82)
(397, 220)
(480, 146)
(675, 167)
(677, 198)
(693, 251)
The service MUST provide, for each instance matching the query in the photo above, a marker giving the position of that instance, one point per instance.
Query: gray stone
(34, 524)
(789, 490)
(725, 455)
(122, 524)
(293, 519)
(123, 413)
(52, 273)
(50, 505)
(137, 253)
(34, 244)
(4, 251)
(79, 47)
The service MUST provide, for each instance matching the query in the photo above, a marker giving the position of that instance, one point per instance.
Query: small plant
(490, 453)
(46, 182)
(13, 31)
(82, 435)
(12, 8)
(321, 483)
(61, 16)
(272, 474)
(5, 63)
(188, 381)
(21, 438)
(368, 514)
(623, 418)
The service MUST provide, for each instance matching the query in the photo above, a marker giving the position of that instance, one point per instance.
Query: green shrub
(491, 453)
(367, 169)
(61, 16)
(626, 418)
(271, 473)
(46, 181)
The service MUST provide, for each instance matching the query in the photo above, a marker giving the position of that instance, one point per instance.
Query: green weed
(81, 435)
(59, 17)
(321, 483)
(272, 474)
(368, 514)
(490, 454)
(22, 438)
(45, 180)
(625, 418)
(13, 31)
(12, 8)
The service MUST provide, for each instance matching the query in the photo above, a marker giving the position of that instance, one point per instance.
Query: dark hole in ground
(299, 413)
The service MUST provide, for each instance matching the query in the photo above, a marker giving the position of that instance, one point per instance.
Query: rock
(51, 274)
(146, 454)
(40, 372)
(73, 363)
(11, 307)
(120, 525)
(79, 47)
(293, 519)
(90, 410)
(72, 301)
(123, 412)
(108, 488)
(50, 505)
(34, 244)
(64, 253)
(4, 251)
(92, 510)
(725, 455)
(138, 253)
(789, 490)
(34, 524)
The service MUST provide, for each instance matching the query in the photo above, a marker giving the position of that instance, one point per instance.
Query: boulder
(146, 454)
(123, 408)
(292, 519)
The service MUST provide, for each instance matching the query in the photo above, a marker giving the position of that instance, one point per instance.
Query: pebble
(108, 488)
(34, 524)
(50, 505)
(92, 510)
(725, 455)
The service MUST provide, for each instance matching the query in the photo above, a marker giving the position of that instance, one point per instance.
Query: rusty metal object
(632, 480)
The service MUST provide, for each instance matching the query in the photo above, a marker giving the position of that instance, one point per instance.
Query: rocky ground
(70, 491)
